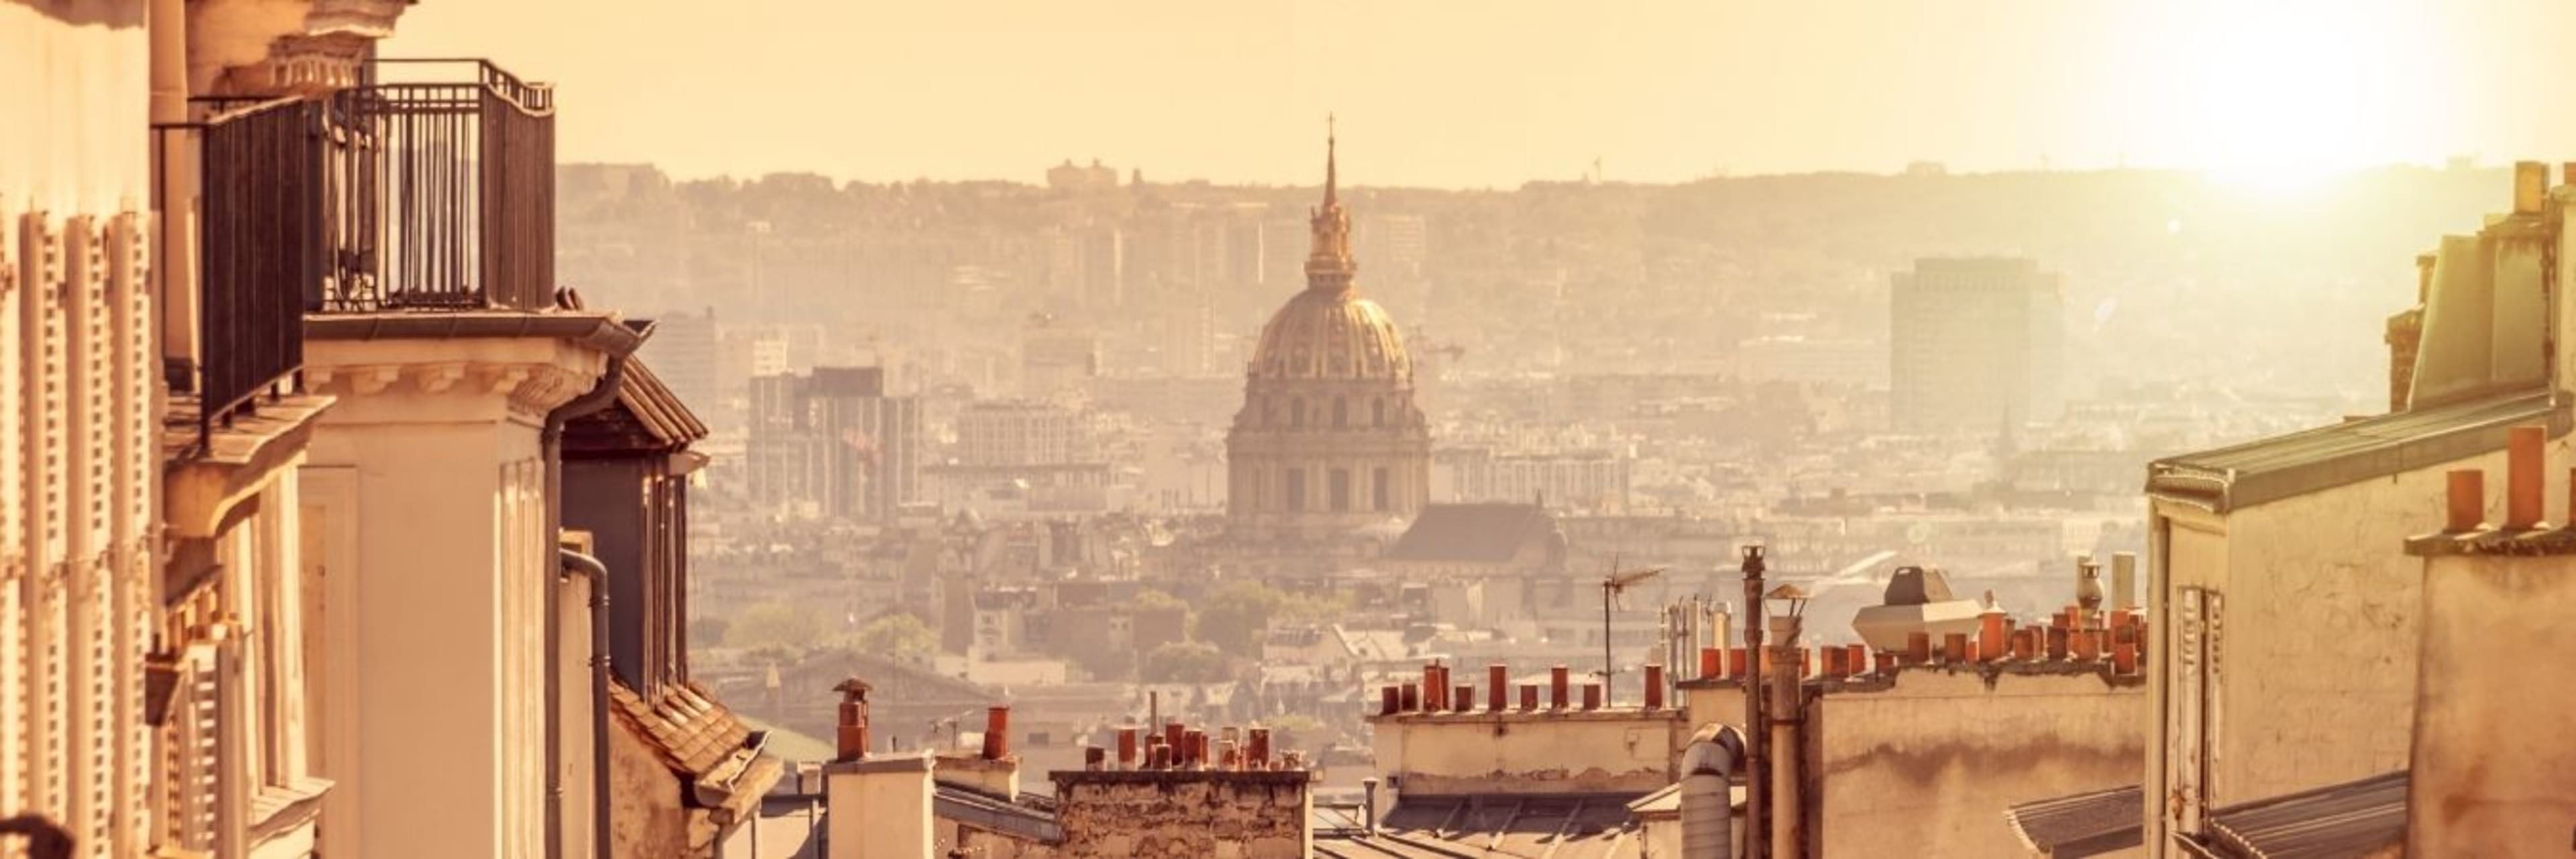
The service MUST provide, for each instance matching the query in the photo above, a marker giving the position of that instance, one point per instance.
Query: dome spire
(1328, 260)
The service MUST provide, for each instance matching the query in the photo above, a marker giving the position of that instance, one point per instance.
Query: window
(1341, 487)
(1296, 489)
(1341, 413)
(1377, 488)
(1297, 414)
(1377, 413)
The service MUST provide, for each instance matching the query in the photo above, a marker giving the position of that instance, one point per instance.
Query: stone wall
(1168, 814)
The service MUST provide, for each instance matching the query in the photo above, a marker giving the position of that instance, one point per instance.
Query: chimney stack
(1918, 648)
(1498, 686)
(853, 731)
(1654, 686)
(1954, 647)
(1412, 697)
(2530, 187)
(1390, 700)
(2468, 501)
(1712, 661)
(997, 733)
(1557, 681)
(1856, 656)
(1591, 696)
(1127, 747)
(1463, 699)
(1990, 635)
(2524, 464)
(2124, 580)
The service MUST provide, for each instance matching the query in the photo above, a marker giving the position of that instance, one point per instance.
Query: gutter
(550, 441)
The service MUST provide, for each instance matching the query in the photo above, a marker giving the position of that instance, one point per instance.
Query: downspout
(598, 573)
(1708, 768)
(551, 441)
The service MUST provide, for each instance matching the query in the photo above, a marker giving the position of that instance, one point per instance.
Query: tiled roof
(2084, 824)
(695, 738)
(656, 407)
(2350, 452)
(1026, 817)
(1471, 532)
(2349, 819)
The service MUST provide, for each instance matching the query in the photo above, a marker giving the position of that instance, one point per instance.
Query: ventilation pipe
(1708, 806)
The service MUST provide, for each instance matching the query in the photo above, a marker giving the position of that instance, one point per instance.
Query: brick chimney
(853, 731)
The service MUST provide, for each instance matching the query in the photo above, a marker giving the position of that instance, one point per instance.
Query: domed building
(1329, 438)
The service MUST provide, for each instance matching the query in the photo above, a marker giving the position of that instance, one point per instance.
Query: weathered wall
(646, 818)
(2315, 659)
(2493, 773)
(1184, 815)
(1600, 751)
(1927, 766)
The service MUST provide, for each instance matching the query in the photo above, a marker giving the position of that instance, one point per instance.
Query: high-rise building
(1018, 432)
(1977, 344)
(687, 344)
(831, 443)
(1329, 437)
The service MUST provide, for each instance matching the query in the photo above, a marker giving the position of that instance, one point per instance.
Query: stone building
(156, 605)
(1329, 438)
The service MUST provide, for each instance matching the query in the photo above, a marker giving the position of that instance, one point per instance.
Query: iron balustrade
(259, 245)
(445, 195)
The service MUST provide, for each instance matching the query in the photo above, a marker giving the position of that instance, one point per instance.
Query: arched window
(1341, 413)
(1297, 413)
(1377, 413)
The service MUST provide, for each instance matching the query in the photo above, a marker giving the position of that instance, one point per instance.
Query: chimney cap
(853, 686)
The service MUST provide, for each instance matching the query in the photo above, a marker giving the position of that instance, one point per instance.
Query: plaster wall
(880, 808)
(2489, 776)
(2315, 661)
(1603, 751)
(1927, 767)
(648, 819)
(439, 488)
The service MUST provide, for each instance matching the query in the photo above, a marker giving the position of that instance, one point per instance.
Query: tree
(1183, 662)
(1235, 617)
(900, 637)
(774, 623)
(708, 631)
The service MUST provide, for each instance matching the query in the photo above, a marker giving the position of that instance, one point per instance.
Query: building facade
(1329, 437)
(832, 443)
(1975, 345)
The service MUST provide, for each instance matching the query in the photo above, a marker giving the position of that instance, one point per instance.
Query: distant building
(687, 344)
(1069, 177)
(1849, 361)
(1329, 437)
(1057, 360)
(994, 433)
(831, 443)
(1976, 344)
(1575, 479)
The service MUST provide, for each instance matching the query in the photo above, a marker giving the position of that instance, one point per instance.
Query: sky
(1493, 93)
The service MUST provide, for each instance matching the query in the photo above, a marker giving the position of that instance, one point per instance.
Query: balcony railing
(261, 243)
(444, 191)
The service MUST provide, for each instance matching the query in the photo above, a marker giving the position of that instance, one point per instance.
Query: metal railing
(259, 245)
(444, 193)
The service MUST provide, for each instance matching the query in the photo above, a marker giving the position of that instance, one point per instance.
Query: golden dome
(1331, 334)
(1328, 332)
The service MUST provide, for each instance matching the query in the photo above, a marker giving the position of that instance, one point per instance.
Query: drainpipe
(1708, 767)
(551, 442)
(576, 562)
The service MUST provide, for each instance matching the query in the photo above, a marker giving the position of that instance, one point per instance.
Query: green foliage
(775, 624)
(1150, 599)
(901, 637)
(708, 631)
(1183, 662)
(1235, 617)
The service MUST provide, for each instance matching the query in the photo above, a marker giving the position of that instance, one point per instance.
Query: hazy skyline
(1494, 94)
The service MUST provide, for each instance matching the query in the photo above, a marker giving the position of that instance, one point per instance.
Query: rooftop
(2299, 463)
(1471, 532)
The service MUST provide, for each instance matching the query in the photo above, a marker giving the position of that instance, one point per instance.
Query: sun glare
(2279, 99)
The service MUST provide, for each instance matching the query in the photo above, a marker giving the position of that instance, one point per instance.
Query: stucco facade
(2490, 771)
(1925, 763)
(1610, 751)
(428, 482)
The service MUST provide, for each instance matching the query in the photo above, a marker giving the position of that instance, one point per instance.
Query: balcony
(427, 189)
(440, 186)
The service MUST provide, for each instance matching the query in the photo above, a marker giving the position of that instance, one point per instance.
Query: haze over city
(1495, 94)
(1014, 429)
